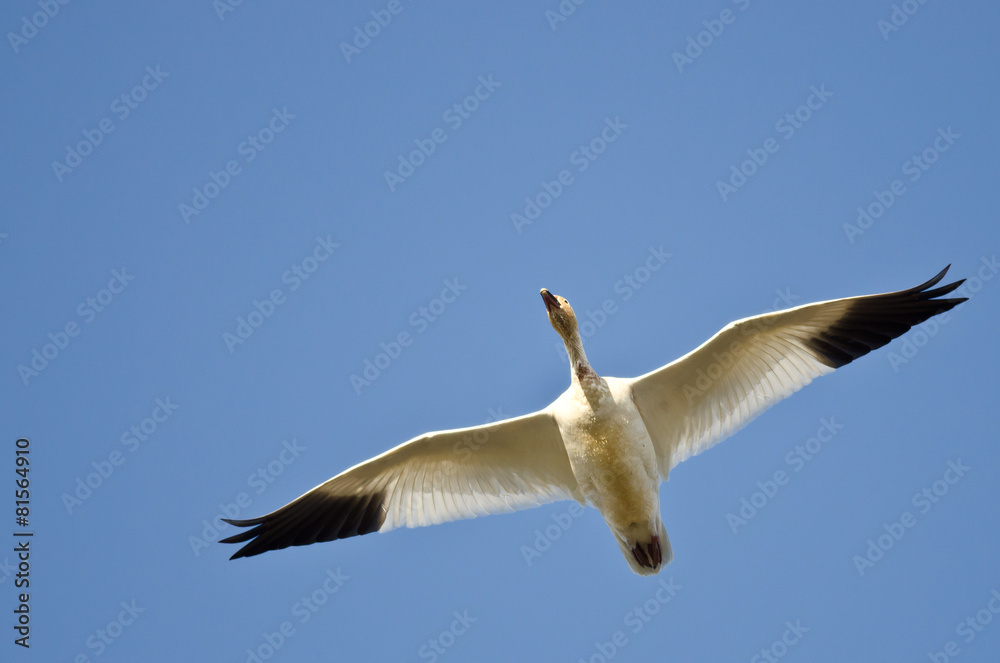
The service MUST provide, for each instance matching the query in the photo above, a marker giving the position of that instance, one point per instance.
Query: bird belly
(614, 462)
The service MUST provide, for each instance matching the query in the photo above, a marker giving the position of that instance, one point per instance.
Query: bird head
(561, 314)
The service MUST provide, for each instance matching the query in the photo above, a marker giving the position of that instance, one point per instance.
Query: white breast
(610, 452)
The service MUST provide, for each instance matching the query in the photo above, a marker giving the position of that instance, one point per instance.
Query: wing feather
(710, 393)
(431, 479)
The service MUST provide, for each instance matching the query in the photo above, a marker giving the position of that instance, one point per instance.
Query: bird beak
(550, 300)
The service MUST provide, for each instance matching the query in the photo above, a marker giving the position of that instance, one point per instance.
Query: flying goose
(607, 441)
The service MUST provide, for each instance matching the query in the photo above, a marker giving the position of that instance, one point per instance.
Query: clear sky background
(142, 535)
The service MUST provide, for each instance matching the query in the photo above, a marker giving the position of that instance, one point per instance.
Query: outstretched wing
(447, 475)
(710, 393)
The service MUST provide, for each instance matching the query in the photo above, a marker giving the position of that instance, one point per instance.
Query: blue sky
(173, 170)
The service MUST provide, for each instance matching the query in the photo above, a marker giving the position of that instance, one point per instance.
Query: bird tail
(650, 554)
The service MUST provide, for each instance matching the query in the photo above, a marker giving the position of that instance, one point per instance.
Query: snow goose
(607, 441)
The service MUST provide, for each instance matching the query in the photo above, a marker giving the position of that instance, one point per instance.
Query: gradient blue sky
(777, 238)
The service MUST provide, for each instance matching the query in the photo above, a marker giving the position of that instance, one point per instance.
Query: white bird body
(607, 441)
(612, 457)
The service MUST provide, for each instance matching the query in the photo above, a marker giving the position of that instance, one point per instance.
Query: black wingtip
(316, 516)
(874, 320)
(934, 280)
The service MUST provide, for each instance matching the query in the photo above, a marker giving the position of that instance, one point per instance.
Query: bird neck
(581, 372)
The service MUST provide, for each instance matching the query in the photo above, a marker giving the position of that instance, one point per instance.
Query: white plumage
(605, 441)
